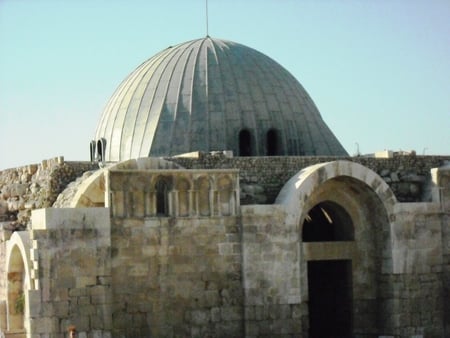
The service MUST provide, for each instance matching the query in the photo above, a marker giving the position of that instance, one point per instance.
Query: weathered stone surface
(35, 186)
(124, 272)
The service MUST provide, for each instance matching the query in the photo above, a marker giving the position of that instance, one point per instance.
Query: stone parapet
(261, 178)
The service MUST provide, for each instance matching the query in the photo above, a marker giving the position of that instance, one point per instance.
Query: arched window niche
(272, 144)
(183, 187)
(328, 222)
(16, 289)
(204, 203)
(162, 198)
(245, 143)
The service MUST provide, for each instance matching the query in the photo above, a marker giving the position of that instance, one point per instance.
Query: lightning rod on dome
(207, 30)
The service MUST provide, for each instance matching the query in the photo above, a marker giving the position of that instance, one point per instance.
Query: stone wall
(261, 178)
(442, 177)
(412, 305)
(71, 254)
(35, 186)
(271, 275)
(4, 236)
(177, 277)
(176, 253)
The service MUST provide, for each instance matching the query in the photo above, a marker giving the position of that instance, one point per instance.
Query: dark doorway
(330, 298)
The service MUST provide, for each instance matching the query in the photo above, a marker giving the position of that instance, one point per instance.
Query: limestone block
(200, 317)
(77, 292)
(101, 297)
(104, 280)
(61, 309)
(44, 325)
(3, 207)
(83, 300)
(79, 218)
(394, 177)
(83, 281)
(34, 304)
(231, 313)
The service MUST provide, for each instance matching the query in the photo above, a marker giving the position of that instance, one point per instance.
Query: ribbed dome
(212, 95)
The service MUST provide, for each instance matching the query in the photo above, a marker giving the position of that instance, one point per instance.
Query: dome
(212, 95)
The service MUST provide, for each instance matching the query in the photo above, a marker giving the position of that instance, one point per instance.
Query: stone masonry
(184, 252)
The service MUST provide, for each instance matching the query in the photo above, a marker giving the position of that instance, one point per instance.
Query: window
(272, 143)
(162, 202)
(245, 144)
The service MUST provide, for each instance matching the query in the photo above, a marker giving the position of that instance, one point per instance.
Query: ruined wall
(261, 178)
(35, 186)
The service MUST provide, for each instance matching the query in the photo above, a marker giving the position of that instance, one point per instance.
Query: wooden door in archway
(330, 298)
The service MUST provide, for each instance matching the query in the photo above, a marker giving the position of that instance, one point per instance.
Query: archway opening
(329, 281)
(16, 288)
(162, 200)
(272, 143)
(330, 298)
(245, 143)
(328, 222)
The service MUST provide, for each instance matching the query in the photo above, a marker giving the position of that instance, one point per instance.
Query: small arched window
(162, 201)
(272, 143)
(101, 147)
(92, 147)
(245, 143)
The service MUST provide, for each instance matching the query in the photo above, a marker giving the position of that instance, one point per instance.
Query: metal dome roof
(212, 95)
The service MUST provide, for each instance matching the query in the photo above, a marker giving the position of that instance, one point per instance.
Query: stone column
(192, 210)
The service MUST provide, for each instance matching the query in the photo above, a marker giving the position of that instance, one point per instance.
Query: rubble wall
(35, 186)
(261, 178)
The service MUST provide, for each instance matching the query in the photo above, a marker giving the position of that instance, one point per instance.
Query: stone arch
(224, 185)
(91, 192)
(369, 202)
(162, 186)
(298, 189)
(183, 188)
(203, 187)
(19, 280)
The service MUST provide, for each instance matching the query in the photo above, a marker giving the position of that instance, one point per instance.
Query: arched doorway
(348, 193)
(329, 280)
(16, 291)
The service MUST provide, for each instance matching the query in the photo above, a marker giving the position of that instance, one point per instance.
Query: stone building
(217, 203)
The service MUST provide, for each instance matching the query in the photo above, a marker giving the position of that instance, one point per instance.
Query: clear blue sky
(379, 71)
